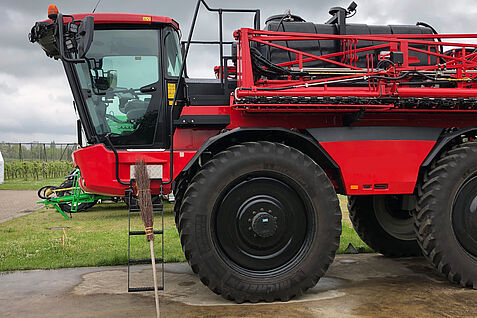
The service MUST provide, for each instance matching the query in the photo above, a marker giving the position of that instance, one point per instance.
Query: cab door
(172, 63)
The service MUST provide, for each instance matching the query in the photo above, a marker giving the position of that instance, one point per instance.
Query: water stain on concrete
(369, 286)
(182, 288)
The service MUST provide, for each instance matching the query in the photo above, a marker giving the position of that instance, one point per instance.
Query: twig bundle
(144, 198)
(145, 204)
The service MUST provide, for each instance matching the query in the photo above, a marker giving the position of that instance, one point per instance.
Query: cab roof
(126, 18)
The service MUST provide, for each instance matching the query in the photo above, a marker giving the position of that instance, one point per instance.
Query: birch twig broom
(145, 204)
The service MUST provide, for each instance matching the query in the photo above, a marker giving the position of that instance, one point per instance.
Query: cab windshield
(121, 85)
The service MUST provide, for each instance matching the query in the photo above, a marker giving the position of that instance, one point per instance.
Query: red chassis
(378, 163)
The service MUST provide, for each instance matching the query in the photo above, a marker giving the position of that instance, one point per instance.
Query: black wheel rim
(464, 216)
(263, 224)
(392, 218)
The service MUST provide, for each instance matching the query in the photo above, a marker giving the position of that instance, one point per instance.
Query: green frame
(75, 199)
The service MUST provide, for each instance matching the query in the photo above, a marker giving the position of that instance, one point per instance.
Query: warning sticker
(171, 90)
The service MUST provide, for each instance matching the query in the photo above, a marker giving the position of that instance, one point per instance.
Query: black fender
(298, 140)
(444, 142)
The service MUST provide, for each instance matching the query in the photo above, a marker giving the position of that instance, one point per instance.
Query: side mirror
(84, 37)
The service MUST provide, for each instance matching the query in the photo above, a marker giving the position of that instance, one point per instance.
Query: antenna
(97, 3)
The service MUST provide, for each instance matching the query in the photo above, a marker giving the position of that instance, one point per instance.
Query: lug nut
(250, 220)
(249, 228)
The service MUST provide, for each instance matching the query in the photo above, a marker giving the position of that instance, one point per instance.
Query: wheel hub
(261, 224)
(395, 221)
(264, 224)
(464, 216)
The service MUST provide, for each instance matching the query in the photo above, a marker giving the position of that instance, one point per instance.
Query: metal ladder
(134, 208)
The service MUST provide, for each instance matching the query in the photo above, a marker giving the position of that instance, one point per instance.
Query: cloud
(31, 111)
(35, 99)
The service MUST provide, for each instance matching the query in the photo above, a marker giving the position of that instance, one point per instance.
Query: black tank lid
(279, 17)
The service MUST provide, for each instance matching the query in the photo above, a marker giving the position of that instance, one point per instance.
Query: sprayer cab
(115, 66)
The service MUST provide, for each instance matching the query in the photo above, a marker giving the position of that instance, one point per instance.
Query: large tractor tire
(446, 217)
(260, 222)
(178, 196)
(382, 224)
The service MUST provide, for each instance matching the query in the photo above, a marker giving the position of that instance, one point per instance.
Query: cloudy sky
(35, 100)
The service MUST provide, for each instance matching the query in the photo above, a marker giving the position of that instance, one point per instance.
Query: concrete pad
(15, 203)
(365, 285)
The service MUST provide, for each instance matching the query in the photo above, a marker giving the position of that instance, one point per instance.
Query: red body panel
(393, 165)
(192, 138)
(97, 166)
(302, 120)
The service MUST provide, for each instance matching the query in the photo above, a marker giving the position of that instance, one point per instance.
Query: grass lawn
(97, 237)
(20, 184)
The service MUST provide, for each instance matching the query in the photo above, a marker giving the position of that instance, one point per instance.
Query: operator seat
(136, 109)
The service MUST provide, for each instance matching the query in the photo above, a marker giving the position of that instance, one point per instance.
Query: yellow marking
(354, 187)
(63, 190)
(171, 90)
(170, 102)
(148, 19)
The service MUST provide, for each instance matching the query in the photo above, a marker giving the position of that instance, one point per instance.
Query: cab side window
(173, 54)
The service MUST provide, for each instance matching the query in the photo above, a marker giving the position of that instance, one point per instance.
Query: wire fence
(37, 151)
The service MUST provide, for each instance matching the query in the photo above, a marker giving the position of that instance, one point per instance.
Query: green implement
(69, 197)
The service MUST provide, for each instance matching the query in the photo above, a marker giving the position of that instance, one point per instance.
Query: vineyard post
(2, 168)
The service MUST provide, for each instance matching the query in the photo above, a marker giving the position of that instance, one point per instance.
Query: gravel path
(15, 203)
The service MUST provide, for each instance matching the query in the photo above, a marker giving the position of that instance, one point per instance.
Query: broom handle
(156, 296)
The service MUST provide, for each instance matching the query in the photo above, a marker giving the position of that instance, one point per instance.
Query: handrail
(180, 80)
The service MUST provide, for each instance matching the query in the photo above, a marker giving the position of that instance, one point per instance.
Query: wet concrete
(15, 203)
(355, 286)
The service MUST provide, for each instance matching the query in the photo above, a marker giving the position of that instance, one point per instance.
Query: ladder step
(155, 208)
(144, 261)
(143, 289)
(144, 232)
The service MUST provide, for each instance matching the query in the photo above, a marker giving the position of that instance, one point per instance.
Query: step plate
(143, 289)
(154, 171)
